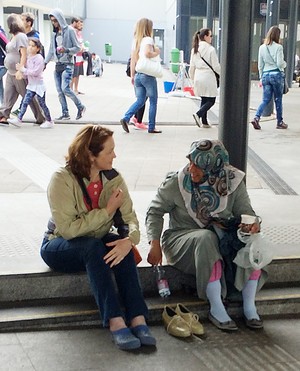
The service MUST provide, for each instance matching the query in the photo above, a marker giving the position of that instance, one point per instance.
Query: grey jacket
(69, 41)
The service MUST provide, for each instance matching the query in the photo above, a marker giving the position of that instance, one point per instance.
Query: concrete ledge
(49, 285)
(84, 314)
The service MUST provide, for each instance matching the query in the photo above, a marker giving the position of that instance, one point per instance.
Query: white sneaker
(197, 119)
(47, 125)
(15, 122)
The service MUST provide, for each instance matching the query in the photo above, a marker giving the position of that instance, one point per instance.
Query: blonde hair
(143, 28)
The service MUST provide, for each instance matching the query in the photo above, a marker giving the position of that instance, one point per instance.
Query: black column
(220, 28)
(273, 10)
(182, 35)
(210, 13)
(237, 31)
(291, 40)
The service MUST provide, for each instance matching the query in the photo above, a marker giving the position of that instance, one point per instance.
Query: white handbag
(149, 66)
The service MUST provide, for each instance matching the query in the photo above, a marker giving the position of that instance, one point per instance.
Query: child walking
(34, 73)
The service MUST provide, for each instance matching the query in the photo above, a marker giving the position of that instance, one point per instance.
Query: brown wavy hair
(273, 35)
(89, 140)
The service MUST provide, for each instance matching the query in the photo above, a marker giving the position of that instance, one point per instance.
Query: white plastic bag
(256, 254)
(260, 253)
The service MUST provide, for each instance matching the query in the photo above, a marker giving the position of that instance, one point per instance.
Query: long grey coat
(188, 247)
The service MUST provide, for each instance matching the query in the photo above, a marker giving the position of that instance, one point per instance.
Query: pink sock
(216, 272)
(255, 275)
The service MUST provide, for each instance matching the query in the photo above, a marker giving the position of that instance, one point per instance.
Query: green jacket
(71, 216)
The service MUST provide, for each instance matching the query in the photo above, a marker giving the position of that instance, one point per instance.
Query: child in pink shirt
(36, 87)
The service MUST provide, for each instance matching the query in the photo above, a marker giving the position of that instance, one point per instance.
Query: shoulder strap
(109, 174)
(207, 64)
(85, 192)
(270, 55)
(122, 228)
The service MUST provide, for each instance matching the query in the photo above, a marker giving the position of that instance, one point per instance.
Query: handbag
(149, 66)
(216, 74)
(285, 86)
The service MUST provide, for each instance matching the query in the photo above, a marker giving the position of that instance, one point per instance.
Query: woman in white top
(145, 85)
(271, 65)
(203, 66)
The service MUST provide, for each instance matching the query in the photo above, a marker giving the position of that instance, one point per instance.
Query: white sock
(249, 292)
(217, 309)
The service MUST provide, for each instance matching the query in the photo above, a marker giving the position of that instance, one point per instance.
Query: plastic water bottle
(162, 282)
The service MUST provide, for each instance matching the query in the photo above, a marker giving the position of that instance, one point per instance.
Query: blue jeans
(145, 86)
(206, 104)
(62, 81)
(272, 84)
(27, 99)
(2, 73)
(86, 254)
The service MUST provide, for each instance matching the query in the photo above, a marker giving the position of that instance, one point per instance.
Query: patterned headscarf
(206, 199)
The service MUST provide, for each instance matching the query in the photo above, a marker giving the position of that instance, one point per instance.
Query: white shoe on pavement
(197, 119)
(15, 122)
(47, 125)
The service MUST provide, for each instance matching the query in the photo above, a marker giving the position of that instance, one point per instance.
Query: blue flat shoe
(143, 333)
(125, 340)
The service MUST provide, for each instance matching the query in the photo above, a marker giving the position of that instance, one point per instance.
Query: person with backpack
(3, 70)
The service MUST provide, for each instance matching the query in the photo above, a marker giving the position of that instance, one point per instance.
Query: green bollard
(175, 56)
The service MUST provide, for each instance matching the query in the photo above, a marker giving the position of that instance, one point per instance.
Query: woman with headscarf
(203, 199)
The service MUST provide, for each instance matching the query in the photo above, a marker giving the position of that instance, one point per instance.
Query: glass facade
(192, 15)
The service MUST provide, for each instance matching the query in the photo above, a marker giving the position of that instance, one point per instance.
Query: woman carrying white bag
(144, 57)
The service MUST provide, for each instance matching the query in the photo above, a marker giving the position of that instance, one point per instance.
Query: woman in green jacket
(87, 197)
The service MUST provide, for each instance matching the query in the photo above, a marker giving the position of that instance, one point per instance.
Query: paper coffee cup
(248, 219)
